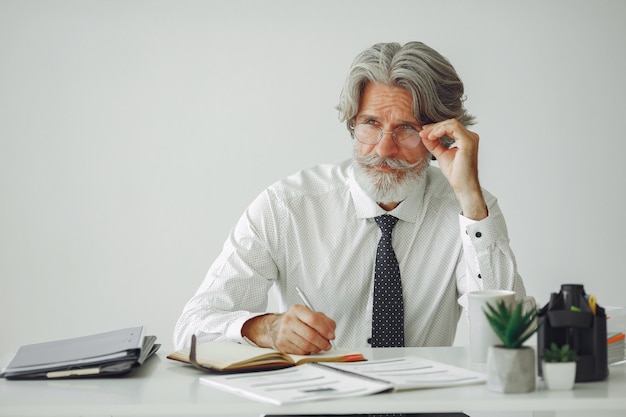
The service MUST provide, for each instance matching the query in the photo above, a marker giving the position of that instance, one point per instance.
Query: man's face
(388, 107)
(386, 171)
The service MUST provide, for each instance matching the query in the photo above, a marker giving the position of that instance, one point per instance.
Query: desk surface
(164, 387)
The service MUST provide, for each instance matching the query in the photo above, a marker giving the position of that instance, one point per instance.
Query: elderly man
(384, 245)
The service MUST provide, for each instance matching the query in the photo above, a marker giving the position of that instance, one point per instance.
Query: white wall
(134, 133)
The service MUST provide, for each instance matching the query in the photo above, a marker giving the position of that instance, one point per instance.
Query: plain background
(133, 134)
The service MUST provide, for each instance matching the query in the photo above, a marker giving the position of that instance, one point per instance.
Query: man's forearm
(473, 205)
(259, 329)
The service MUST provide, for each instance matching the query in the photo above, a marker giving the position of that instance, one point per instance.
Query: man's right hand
(299, 331)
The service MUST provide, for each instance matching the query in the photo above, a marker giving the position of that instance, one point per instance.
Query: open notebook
(236, 357)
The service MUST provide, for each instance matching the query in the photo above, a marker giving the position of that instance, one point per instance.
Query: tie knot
(386, 222)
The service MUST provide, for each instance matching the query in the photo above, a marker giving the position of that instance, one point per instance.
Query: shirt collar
(408, 210)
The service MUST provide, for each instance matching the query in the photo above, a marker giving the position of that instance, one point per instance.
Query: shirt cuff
(481, 234)
(233, 333)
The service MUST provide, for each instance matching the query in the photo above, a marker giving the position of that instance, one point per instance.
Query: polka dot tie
(388, 308)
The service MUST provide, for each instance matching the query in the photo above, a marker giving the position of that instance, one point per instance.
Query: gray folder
(103, 354)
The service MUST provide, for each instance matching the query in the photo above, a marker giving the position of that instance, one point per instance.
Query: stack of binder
(616, 327)
(105, 354)
(616, 347)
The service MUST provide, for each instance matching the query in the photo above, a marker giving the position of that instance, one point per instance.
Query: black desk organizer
(581, 329)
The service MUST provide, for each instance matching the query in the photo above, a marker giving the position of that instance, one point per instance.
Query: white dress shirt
(315, 230)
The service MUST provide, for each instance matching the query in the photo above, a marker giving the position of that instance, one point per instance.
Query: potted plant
(511, 366)
(559, 367)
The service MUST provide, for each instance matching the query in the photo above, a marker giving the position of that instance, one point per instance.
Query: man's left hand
(458, 163)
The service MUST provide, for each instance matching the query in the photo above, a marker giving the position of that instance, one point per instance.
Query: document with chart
(413, 372)
(318, 381)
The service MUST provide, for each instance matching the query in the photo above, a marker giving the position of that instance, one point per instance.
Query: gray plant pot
(511, 370)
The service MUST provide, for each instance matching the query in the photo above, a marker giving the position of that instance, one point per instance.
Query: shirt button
(478, 234)
(479, 276)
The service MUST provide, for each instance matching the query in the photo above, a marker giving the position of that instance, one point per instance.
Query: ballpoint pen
(310, 307)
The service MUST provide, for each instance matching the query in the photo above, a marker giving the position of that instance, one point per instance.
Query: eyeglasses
(405, 136)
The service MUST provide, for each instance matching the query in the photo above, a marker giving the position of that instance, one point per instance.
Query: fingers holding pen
(303, 331)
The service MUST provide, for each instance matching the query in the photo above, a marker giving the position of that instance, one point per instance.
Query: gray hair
(433, 82)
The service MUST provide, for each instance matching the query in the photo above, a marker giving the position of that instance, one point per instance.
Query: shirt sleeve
(488, 258)
(236, 285)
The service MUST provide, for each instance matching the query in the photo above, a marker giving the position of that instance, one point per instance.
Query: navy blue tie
(388, 307)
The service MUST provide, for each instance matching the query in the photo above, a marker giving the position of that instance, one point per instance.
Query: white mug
(481, 334)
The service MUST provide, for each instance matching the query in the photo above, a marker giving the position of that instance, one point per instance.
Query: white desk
(166, 388)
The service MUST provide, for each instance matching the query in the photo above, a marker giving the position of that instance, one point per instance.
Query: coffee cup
(481, 334)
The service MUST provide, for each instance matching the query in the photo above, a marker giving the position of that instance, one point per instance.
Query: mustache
(372, 160)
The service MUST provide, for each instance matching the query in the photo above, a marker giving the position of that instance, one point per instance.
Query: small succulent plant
(559, 354)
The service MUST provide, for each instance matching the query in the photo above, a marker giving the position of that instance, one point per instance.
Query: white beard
(388, 187)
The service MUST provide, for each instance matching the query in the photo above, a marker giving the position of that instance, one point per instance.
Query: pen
(310, 307)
